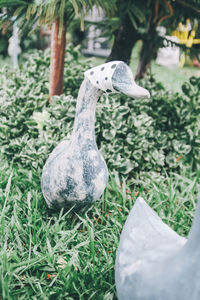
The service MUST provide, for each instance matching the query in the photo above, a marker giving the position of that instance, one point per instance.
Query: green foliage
(46, 255)
(134, 136)
(149, 135)
(3, 45)
(24, 92)
(31, 13)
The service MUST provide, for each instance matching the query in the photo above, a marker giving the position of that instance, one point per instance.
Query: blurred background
(157, 36)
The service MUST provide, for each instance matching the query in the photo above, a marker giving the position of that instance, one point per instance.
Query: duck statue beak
(123, 81)
(135, 91)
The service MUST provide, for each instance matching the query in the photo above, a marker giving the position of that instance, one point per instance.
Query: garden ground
(71, 255)
(67, 255)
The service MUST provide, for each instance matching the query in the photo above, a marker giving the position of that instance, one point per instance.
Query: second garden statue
(75, 172)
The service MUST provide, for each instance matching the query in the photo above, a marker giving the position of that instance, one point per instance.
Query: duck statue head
(75, 172)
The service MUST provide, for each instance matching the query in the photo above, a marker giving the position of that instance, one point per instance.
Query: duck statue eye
(75, 172)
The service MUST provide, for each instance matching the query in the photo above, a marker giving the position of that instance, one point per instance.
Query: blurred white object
(155, 263)
(161, 30)
(13, 48)
(169, 56)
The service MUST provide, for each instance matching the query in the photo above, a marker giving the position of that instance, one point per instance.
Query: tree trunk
(57, 59)
(125, 38)
(148, 50)
(146, 56)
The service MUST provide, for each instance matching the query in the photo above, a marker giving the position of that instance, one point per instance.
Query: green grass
(171, 78)
(68, 255)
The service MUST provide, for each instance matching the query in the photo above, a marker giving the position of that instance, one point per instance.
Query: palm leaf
(28, 12)
(82, 21)
(75, 6)
(137, 12)
(8, 3)
(61, 17)
(18, 10)
(132, 19)
(53, 9)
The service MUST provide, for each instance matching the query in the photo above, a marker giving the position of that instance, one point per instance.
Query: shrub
(135, 136)
(149, 135)
(24, 92)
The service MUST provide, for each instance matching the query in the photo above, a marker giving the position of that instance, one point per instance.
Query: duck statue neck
(84, 124)
(75, 172)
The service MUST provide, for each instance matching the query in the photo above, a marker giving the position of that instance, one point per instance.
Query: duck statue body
(155, 263)
(75, 172)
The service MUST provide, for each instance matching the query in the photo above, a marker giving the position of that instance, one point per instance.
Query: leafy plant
(149, 135)
(135, 136)
(25, 91)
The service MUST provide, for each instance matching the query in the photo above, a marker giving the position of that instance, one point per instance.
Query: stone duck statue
(75, 172)
(155, 263)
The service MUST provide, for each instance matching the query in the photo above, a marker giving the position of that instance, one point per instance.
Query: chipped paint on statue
(75, 172)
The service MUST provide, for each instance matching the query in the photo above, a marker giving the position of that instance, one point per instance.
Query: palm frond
(137, 11)
(132, 19)
(75, 6)
(11, 3)
(61, 17)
